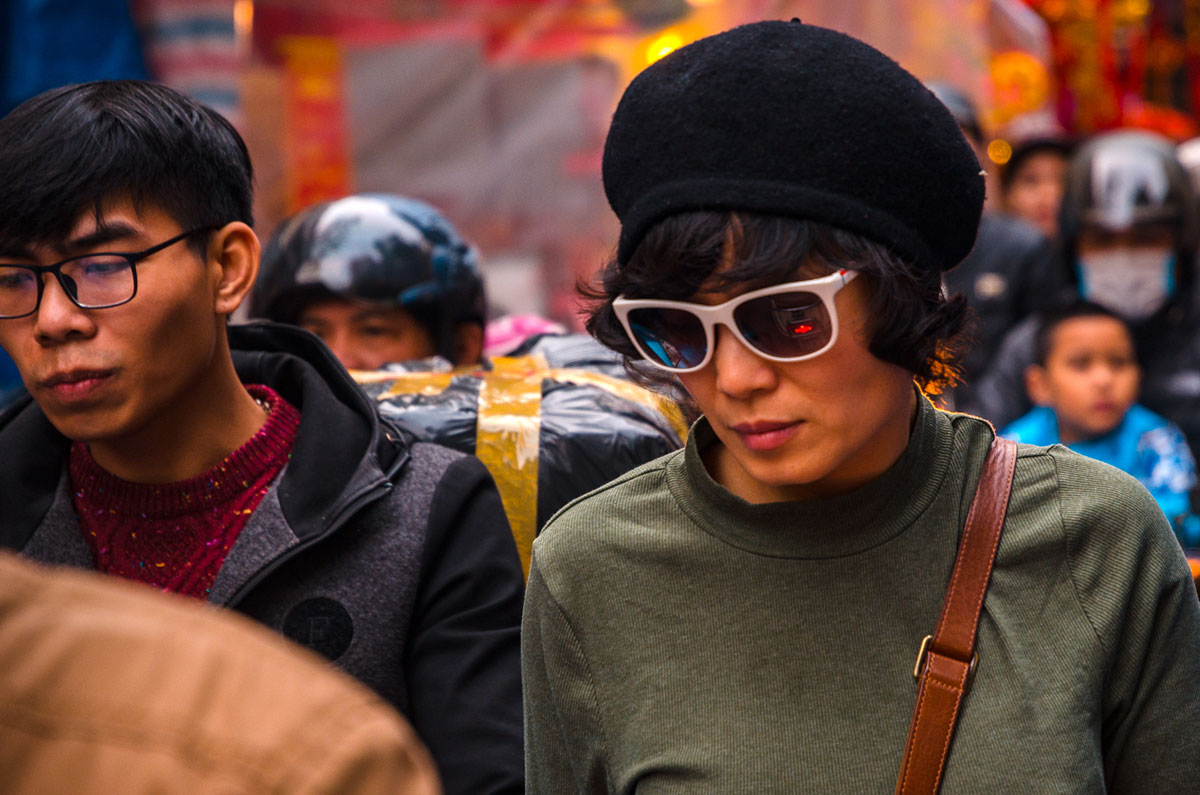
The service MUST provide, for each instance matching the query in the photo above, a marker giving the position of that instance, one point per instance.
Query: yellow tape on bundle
(508, 429)
(405, 383)
(507, 439)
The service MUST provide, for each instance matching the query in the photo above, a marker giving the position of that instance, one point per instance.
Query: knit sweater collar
(217, 486)
(825, 528)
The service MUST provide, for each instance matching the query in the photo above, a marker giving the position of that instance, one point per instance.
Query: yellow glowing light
(999, 151)
(702, 3)
(1136, 8)
(243, 18)
(662, 46)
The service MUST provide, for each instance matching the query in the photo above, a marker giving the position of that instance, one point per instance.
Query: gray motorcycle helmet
(379, 248)
(1127, 178)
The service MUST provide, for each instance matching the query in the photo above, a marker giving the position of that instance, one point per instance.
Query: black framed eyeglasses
(91, 281)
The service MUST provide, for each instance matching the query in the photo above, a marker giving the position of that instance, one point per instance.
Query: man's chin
(86, 427)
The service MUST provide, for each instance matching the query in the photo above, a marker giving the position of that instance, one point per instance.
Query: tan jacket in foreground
(107, 686)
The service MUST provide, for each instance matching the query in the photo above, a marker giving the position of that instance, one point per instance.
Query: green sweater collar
(827, 528)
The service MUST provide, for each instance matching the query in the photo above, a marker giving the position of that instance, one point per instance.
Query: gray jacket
(391, 558)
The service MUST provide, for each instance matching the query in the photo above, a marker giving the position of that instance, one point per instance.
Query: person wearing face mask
(1128, 226)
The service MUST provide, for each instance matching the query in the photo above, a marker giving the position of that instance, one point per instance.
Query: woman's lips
(763, 436)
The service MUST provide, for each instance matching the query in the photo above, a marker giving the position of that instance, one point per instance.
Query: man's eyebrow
(382, 313)
(101, 235)
(106, 233)
(15, 252)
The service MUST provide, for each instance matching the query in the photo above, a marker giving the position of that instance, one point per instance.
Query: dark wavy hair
(913, 323)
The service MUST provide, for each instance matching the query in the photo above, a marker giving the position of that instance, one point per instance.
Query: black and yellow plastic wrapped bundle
(546, 434)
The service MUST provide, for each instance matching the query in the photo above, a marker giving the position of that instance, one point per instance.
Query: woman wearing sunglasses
(744, 616)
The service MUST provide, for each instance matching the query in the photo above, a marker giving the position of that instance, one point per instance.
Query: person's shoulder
(426, 494)
(1061, 495)
(1109, 519)
(1117, 542)
(436, 457)
(646, 481)
(586, 524)
(1091, 486)
(431, 466)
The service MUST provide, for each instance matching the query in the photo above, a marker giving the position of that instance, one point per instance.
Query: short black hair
(70, 149)
(1052, 318)
(1023, 150)
(915, 325)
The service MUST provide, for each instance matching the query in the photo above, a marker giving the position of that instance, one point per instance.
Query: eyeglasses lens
(18, 291)
(92, 282)
(786, 325)
(672, 337)
(100, 281)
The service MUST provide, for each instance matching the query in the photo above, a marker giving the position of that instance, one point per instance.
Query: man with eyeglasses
(237, 465)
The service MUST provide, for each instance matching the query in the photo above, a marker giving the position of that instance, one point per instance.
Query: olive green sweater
(678, 639)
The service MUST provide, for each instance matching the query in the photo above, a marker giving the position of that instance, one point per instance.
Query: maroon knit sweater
(175, 536)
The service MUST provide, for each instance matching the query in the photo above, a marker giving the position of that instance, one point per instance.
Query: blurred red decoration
(1125, 63)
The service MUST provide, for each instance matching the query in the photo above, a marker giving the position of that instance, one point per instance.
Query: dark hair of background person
(914, 325)
(76, 147)
(1051, 319)
(1023, 150)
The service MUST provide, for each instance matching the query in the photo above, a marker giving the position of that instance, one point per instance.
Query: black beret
(790, 119)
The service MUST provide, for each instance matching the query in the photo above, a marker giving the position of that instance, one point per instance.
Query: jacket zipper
(368, 495)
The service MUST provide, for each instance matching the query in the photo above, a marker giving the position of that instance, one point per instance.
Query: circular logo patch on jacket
(322, 625)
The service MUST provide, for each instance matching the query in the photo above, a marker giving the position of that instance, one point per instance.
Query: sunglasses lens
(786, 325)
(671, 337)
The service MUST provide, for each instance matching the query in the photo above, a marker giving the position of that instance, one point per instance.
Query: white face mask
(1133, 282)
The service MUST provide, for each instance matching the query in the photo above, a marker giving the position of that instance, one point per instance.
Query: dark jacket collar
(342, 451)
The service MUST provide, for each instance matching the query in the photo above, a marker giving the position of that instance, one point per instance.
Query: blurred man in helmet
(379, 278)
(1128, 222)
(385, 279)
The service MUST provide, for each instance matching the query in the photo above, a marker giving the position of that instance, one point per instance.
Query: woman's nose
(739, 370)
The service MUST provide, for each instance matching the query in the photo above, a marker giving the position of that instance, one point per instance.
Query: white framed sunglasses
(786, 323)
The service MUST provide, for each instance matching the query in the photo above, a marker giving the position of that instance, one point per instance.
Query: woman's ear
(1038, 385)
(233, 254)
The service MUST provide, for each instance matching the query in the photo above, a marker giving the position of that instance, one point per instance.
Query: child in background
(1034, 179)
(1085, 384)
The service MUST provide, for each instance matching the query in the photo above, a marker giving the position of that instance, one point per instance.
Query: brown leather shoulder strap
(947, 660)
